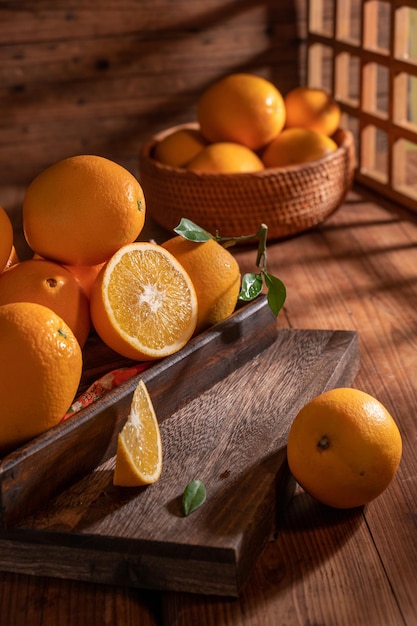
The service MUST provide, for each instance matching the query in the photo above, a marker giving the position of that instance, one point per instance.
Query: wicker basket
(288, 200)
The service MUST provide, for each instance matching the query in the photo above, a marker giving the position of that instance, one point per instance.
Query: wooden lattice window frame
(365, 53)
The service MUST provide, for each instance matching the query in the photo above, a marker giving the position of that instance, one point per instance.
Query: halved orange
(139, 445)
(143, 303)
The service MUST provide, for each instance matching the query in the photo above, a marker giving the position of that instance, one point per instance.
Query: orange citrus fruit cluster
(245, 124)
(82, 218)
(344, 448)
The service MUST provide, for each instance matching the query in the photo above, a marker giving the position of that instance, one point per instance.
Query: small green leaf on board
(193, 497)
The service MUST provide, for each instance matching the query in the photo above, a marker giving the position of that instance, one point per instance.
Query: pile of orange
(245, 124)
(82, 218)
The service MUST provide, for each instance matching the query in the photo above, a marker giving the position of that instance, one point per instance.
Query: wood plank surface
(77, 445)
(357, 271)
(78, 78)
(232, 437)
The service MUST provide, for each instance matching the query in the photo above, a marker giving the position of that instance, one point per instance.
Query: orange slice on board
(139, 446)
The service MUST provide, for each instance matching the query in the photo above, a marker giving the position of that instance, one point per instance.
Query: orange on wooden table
(40, 371)
(225, 157)
(215, 274)
(297, 145)
(50, 284)
(313, 108)
(139, 445)
(243, 108)
(344, 448)
(143, 303)
(82, 209)
(6, 238)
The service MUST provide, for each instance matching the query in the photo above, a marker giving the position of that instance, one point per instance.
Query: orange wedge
(139, 446)
(143, 303)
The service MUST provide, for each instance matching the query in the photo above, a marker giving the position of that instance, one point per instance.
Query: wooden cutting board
(232, 436)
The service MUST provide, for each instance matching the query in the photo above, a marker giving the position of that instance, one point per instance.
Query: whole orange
(225, 158)
(344, 448)
(179, 147)
(215, 274)
(40, 371)
(243, 108)
(308, 107)
(52, 285)
(297, 145)
(82, 209)
(6, 238)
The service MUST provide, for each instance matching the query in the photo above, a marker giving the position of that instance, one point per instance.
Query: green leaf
(187, 229)
(193, 497)
(251, 287)
(276, 292)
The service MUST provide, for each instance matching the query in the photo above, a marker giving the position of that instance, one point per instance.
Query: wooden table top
(358, 271)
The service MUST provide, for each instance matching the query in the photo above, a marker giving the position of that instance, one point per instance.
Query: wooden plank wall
(81, 76)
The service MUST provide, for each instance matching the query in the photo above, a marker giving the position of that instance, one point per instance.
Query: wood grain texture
(357, 271)
(80, 78)
(233, 438)
(77, 445)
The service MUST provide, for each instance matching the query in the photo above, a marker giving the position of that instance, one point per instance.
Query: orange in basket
(243, 108)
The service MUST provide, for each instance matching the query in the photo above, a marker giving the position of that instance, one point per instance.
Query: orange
(215, 274)
(52, 285)
(143, 303)
(225, 158)
(6, 238)
(312, 108)
(179, 147)
(80, 210)
(344, 448)
(297, 145)
(242, 108)
(40, 371)
(139, 446)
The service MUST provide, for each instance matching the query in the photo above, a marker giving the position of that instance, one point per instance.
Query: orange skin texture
(215, 274)
(40, 371)
(242, 108)
(179, 147)
(311, 108)
(295, 146)
(344, 448)
(80, 210)
(48, 283)
(225, 158)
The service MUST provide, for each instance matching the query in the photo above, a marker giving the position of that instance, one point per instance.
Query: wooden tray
(31, 475)
(232, 436)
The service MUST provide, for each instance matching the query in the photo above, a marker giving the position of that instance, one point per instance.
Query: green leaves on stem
(252, 283)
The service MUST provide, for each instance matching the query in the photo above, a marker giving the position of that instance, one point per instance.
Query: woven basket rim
(342, 137)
